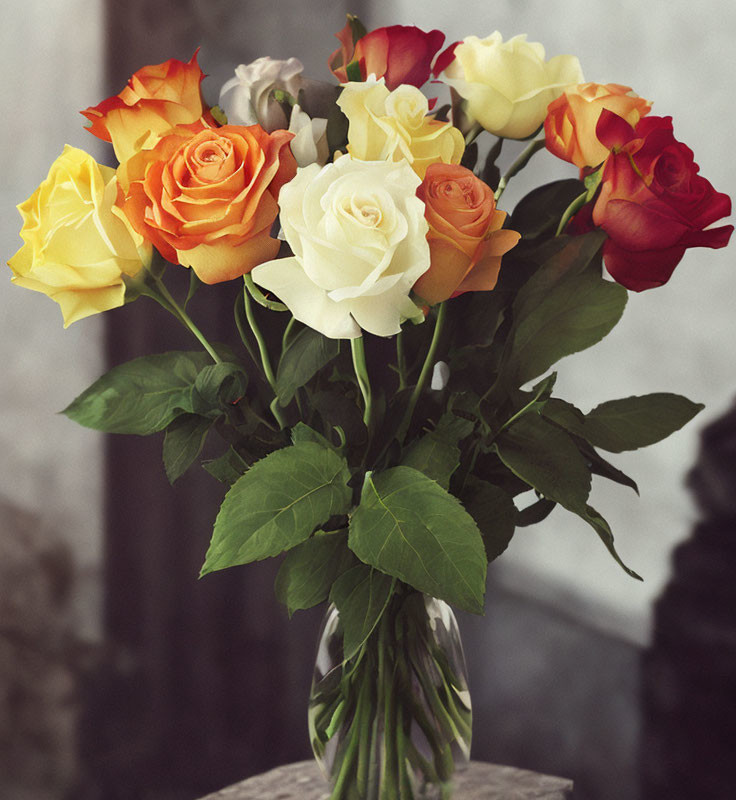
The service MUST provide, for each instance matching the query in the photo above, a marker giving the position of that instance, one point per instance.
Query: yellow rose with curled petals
(77, 243)
(391, 126)
(507, 86)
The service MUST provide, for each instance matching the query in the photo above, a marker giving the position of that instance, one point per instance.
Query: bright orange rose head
(398, 53)
(208, 199)
(157, 98)
(570, 125)
(466, 238)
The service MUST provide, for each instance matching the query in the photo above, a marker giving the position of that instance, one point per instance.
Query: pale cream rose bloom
(309, 146)
(248, 99)
(507, 86)
(78, 244)
(391, 126)
(359, 238)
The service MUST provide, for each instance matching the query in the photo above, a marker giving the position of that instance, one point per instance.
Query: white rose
(358, 234)
(309, 146)
(248, 98)
(507, 86)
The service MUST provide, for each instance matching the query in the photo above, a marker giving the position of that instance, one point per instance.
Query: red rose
(399, 53)
(652, 203)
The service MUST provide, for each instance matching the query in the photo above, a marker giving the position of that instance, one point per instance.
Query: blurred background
(123, 677)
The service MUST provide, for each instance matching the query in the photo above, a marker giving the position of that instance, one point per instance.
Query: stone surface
(477, 782)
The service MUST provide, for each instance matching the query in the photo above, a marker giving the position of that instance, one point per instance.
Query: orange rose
(207, 199)
(572, 118)
(465, 238)
(156, 99)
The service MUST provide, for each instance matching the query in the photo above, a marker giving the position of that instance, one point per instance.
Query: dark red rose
(398, 53)
(652, 203)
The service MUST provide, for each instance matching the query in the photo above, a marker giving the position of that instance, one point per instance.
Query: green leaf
(436, 454)
(553, 319)
(599, 466)
(228, 467)
(534, 513)
(183, 443)
(305, 354)
(303, 433)
(277, 504)
(141, 396)
(634, 422)
(493, 511)
(361, 595)
(546, 458)
(539, 212)
(601, 527)
(216, 386)
(309, 570)
(408, 526)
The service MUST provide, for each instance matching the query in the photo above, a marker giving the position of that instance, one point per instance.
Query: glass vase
(393, 722)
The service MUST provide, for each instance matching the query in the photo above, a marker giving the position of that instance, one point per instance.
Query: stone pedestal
(303, 781)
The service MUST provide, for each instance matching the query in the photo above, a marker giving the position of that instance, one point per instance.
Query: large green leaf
(309, 569)
(277, 504)
(361, 595)
(437, 454)
(183, 443)
(634, 422)
(141, 396)
(305, 354)
(546, 458)
(408, 526)
(570, 315)
(493, 511)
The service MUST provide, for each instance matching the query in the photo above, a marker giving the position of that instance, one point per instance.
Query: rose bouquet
(390, 419)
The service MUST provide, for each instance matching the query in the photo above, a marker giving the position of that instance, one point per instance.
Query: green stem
(401, 360)
(186, 320)
(357, 348)
(571, 210)
(240, 324)
(265, 361)
(261, 298)
(426, 368)
(287, 332)
(519, 164)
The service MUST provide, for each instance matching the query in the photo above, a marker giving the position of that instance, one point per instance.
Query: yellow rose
(507, 86)
(78, 245)
(391, 126)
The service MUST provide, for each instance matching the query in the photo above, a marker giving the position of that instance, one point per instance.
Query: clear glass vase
(394, 722)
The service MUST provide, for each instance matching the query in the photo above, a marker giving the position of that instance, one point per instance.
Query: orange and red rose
(157, 98)
(398, 53)
(208, 199)
(466, 238)
(652, 203)
(570, 124)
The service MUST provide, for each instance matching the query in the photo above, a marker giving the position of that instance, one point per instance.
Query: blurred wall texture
(554, 662)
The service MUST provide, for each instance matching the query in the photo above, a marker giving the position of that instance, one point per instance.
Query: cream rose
(309, 144)
(358, 234)
(248, 97)
(507, 86)
(391, 126)
(78, 244)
